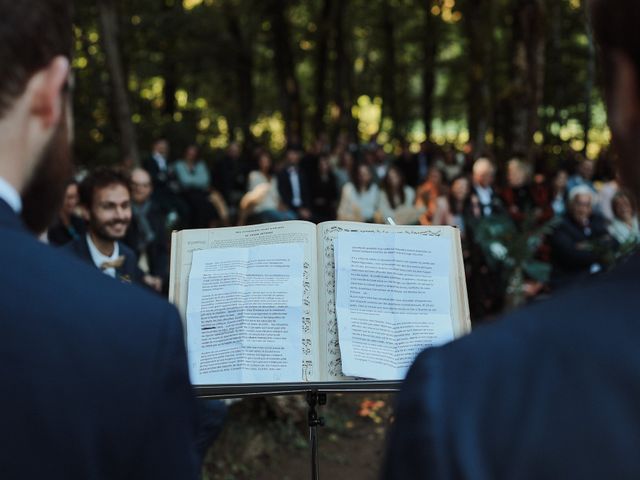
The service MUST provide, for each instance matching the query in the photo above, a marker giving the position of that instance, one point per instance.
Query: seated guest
(324, 191)
(396, 200)
(262, 203)
(624, 227)
(521, 198)
(380, 164)
(147, 234)
(194, 181)
(583, 176)
(359, 198)
(69, 225)
(343, 169)
(431, 199)
(165, 187)
(459, 202)
(293, 185)
(608, 186)
(577, 242)
(559, 193)
(484, 198)
(106, 196)
(450, 164)
(157, 164)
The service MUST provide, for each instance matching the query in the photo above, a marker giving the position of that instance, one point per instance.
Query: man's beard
(100, 230)
(44, 194)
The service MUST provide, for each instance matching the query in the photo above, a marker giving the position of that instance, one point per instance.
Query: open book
(266, 303)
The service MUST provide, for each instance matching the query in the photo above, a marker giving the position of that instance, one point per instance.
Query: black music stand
(316, 394)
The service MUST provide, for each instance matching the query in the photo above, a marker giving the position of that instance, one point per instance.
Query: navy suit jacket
(286, 191)
(551, 392)
(128, 272)
(93, 373)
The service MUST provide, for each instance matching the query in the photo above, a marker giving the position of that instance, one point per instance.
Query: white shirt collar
(160, 160)
(99, 258)
(10, 195)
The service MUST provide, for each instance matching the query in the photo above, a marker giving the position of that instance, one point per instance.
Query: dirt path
(258, 443)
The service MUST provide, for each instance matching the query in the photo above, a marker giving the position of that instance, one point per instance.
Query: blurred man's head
(483, 173)
(615, 24)
(106, 196)
(35, 52)
(234, 150)
(518, 173)
(581, 200)
(71, 199)
(292, 156)
(141, 186)
(191, 153)
(586, 169)
(161, 147)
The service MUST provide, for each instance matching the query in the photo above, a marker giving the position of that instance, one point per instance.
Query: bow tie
(117, 263)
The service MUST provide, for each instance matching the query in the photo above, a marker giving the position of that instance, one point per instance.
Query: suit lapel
(9, 218)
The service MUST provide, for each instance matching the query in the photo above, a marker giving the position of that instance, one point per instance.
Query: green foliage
(187, 63)
(509, 247)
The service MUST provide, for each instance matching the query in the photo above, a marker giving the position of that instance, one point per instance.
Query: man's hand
(153, 282)
(304, 214)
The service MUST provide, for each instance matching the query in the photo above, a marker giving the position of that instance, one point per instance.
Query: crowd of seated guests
(433, 186)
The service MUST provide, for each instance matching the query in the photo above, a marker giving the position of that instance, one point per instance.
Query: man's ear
(46, 88)
(625, 95)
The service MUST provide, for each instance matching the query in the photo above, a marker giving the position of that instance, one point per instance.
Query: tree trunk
(528, 74)
(429, 51)
(285, 70)
(478, 29)
(389, 94)
(591, 71)
(243, 71)
(322, 57)
(343, 73)
(171, 21)
(109, 37)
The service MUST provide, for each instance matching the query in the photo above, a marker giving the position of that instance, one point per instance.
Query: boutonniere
(125, 278)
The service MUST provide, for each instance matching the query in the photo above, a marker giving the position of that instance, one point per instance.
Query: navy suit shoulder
(94, 372)
(548, 392)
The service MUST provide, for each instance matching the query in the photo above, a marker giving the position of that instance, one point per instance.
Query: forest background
(509, 77)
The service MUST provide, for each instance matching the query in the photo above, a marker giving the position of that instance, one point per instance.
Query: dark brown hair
(388, 188)
(32, 34)
(98, 179)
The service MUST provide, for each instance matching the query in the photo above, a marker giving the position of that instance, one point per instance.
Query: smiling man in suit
(552, 391)
(106, 196)
(93, 373)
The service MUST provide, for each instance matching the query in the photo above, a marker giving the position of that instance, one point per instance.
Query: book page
(188, 241)
(243, 315)
(392, 300)
(330, 358)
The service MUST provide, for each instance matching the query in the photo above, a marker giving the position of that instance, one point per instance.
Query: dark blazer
(286, 192)
(569, 258)
(59, 234)
(93, 373)
(550, 392)
(129, 272)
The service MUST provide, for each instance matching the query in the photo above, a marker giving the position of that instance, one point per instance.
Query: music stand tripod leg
(314, 399)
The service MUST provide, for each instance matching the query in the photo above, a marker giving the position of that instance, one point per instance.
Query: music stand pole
(313, 399)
